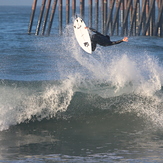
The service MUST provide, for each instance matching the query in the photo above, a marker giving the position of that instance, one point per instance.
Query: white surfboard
(82, 35)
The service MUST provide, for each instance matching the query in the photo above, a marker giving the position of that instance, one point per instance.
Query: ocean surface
(60, 104)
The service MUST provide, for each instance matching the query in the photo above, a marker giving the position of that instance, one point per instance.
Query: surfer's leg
(93, 46)
(93, 40)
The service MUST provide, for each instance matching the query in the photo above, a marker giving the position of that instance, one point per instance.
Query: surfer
(103, 40)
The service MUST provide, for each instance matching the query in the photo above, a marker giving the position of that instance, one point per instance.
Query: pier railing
(113, 17)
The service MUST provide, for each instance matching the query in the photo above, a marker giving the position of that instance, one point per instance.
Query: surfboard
(82, 35)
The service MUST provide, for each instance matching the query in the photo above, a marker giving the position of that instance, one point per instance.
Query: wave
(37, 100)
(119, 79)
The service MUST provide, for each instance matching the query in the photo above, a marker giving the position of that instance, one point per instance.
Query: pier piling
(159, 27)
(52, 17)
(90, 13)
(67, 11)
(32, 16)
(96, 14)
(46, 16)
(109, 20)
(73, 8)
(60, 16)
(82, 2)
(40, 17)
(148, 18)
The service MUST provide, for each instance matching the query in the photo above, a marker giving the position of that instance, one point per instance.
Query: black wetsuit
(102, 40)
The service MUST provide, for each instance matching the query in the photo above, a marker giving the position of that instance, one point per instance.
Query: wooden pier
(113, 17)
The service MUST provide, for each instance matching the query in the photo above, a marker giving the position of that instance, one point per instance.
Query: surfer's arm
(116, 42)
(125, 39)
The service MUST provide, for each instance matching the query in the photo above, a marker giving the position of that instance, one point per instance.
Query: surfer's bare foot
(125, 39)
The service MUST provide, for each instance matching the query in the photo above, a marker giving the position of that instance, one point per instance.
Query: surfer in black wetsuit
(102, 40)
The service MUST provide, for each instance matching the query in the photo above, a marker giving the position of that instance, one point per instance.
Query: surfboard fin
(86, 44)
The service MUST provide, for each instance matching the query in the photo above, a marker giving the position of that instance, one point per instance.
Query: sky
(19, 2)
(16, 2)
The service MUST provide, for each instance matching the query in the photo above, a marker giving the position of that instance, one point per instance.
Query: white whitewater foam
(21, 104)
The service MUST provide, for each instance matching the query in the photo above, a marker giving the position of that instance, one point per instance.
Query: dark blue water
(60, 104)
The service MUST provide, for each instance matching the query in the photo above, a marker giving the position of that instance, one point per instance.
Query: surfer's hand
(125, 39)
(86, 27)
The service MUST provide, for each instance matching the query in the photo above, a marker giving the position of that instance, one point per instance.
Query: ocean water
(60, 104)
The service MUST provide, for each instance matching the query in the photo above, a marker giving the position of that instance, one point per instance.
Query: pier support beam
(116, 19)
(133, 20)
(96, 14)
(60, 16)
(82, 2)
(142, 17)
(46, 17)
(52, 16)
(109, 20)
(32, 16)
(125, 21)
(148, 18)
(40, 17)
(67, 11)
(90, 13)
(73, 8)
(158, 27)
